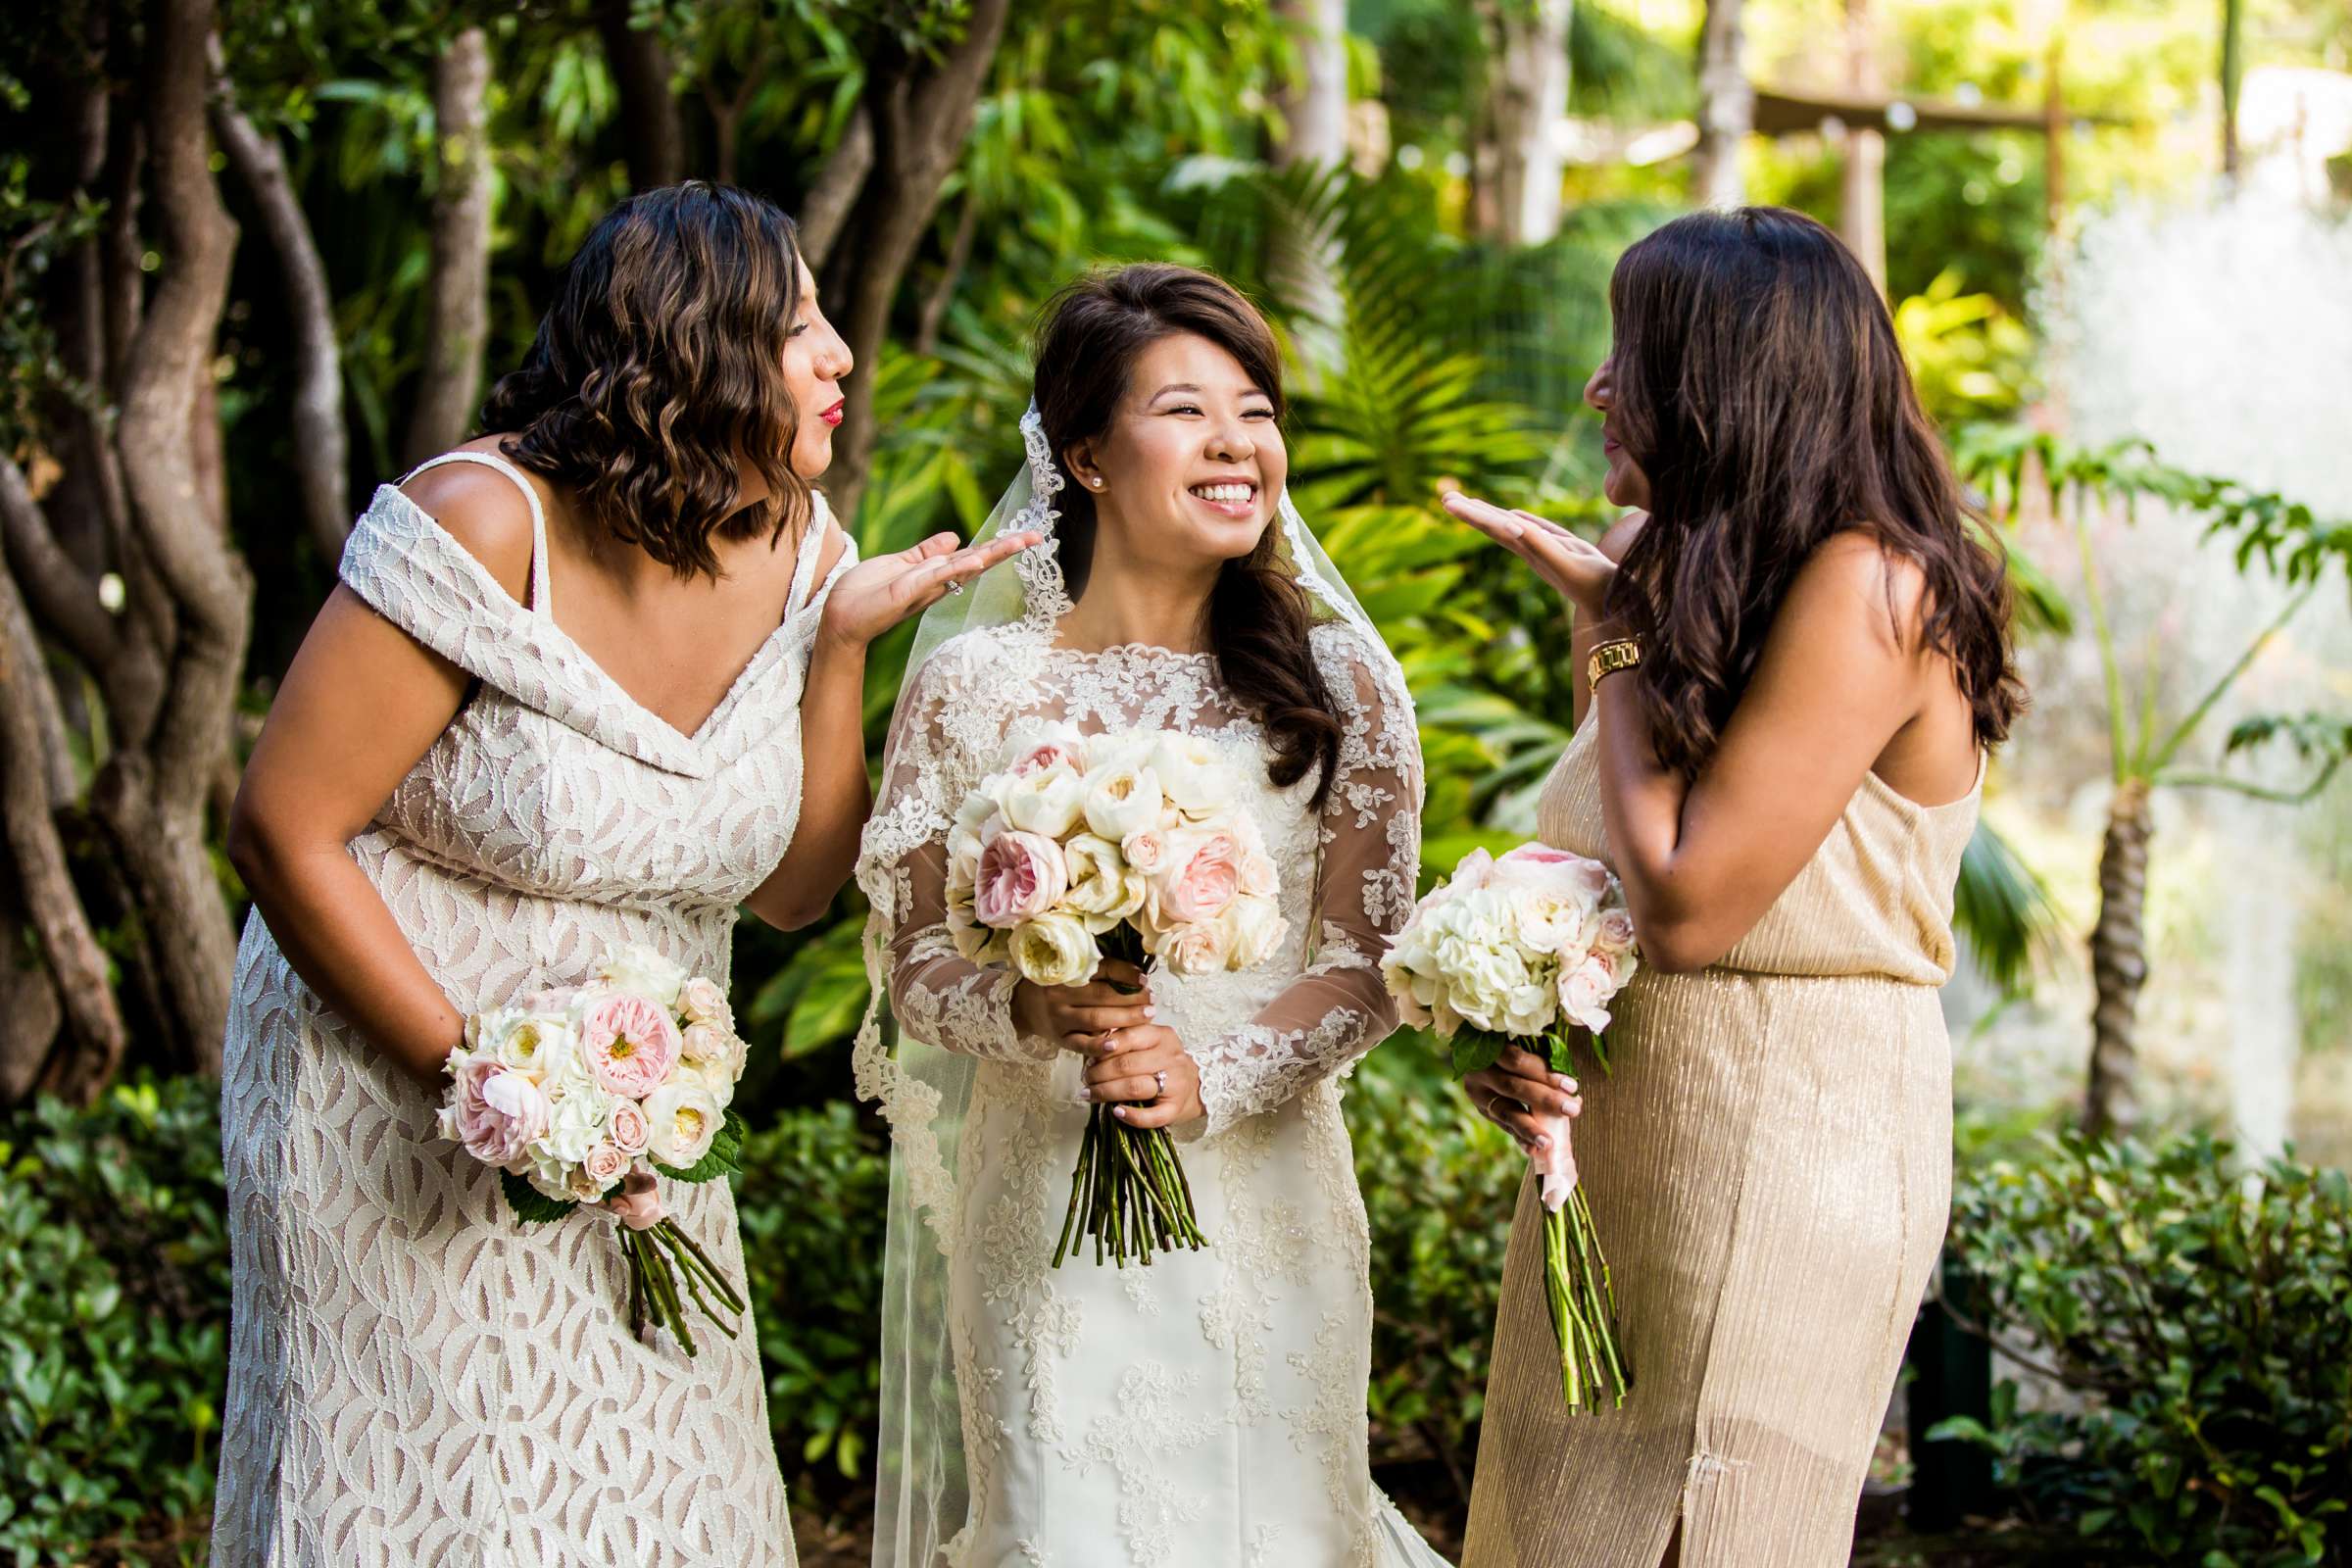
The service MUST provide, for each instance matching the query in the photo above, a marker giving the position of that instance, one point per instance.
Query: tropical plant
(2147, 744)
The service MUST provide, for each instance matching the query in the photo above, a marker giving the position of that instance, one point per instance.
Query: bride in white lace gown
(455, 802)
(1206, 1411)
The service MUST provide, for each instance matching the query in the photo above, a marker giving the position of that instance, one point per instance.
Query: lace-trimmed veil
(923, 1090)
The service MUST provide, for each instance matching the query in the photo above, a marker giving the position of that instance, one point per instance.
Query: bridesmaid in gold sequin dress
(1792, 669)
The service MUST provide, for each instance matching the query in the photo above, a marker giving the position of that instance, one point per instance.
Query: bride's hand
(1081, 1017)
(1147, 1076)
(875, 595)
(1571, 565)
(1518, 1091)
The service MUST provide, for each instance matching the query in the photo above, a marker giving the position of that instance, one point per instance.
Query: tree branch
(63, 596)
(830, 200)
(322, 441)
(458, 327)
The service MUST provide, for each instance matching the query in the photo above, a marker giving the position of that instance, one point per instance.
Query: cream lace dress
(415, 1376)
(1206, 1411)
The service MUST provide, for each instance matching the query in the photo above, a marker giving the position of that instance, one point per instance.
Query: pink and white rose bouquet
(1129, 846)
(1523, 949)
(586, 1094)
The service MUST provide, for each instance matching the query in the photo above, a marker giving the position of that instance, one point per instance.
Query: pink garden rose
(605, 1165)
(1146, 849)
(498, 1113)
(1541, 869)
(1585, 994)
(627, 1127)
(1063, 749)
(1021, 876)
(630, 1045)
(1202, 875)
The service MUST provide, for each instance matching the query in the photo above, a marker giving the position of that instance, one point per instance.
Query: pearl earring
(1096, 482)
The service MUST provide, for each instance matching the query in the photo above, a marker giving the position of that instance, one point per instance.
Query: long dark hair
(662, 358)
(1758, 383)
(1258, 617)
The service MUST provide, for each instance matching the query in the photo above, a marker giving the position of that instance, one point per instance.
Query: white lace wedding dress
(1206, 1411)
(415, 1376)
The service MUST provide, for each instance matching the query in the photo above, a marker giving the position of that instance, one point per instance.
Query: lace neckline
(1130, 653)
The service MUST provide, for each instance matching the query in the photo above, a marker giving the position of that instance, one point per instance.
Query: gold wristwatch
(1618, 652)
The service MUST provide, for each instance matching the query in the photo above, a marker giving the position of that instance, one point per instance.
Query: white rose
(1194, 775)
(1121, 799)
(682, 1119)
(1147, 848)
(1255, 928)
(977, 820)
(645, 972)
(704, 1042)
(1203, 948)
(1117, 748)
(703, 1001)
(714, 1078)
(577, 1120)
(530, 1043)
(1103, 890)
(1585, 994)
(1055, 950)
(580, 1187)
(1047, 803)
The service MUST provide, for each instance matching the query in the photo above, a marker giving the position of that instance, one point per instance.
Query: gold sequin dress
(1770, 1170)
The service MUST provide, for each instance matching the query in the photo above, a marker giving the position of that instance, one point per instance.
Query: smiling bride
(1208, 1409)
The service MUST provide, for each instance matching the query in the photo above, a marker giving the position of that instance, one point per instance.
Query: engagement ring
(1161, 1078)
(956, 587)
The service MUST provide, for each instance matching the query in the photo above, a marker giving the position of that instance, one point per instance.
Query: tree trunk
(2234, 64)
(943, 292)
(1314, 110)
(922, 113)
(2119, 965)
(653, 130)
(322, 441)
(75, 982)
(152, 790)
(1862, 209)
(458, 325)
(1527, 85)
(1727, 107)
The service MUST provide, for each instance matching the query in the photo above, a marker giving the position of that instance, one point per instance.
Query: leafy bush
(814, 1196)
(1440, 1184)
(113, 1284)
(2208, 1316)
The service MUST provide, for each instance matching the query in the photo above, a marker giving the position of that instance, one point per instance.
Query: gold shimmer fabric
(1769, 1168)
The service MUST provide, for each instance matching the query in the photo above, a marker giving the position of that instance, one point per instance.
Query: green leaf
(724, 1158)
(531, 1205)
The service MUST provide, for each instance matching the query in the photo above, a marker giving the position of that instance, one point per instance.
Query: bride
(1207, 1411)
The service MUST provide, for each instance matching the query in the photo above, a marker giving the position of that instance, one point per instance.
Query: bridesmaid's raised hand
(875, 595)
(1575, 568)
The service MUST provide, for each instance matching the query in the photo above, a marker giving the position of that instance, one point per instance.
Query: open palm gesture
(875, 595)
(1572, 565)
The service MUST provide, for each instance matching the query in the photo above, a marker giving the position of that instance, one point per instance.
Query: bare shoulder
(1852, 580)
(481, 510)
(1622, 533)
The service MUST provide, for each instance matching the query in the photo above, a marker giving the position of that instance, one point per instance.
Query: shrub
(815, 1197)
(2208, 1315)
(113, 1284)
(1440, 1184)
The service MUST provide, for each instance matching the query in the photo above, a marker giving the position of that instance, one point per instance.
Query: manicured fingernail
(1151, 1011)
(1563, 1083)
(1119, 1111)
(1542, 1143)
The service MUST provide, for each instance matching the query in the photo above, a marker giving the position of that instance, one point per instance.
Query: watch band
(1619, 653)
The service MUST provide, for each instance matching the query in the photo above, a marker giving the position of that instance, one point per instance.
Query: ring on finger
(955, 587)
(1159, 1081)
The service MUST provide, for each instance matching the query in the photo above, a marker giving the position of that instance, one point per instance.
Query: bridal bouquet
(1127, 847)
(580, 1095)
(1518, 950)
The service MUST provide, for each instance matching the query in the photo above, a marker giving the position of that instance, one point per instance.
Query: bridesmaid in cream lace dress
(1797, 662)
(593, 680)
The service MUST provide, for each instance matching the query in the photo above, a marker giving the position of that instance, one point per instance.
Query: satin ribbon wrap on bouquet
(590, 1094)
(1128, 845)
(1527, 949)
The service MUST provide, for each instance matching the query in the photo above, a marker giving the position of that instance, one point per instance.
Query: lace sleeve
(1338, 1008)
(937, 995)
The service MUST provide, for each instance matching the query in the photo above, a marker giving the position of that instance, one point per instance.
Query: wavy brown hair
(662, 358)
(1259, 616)
(1758, 384)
